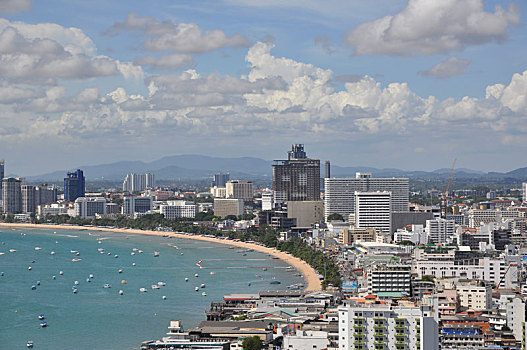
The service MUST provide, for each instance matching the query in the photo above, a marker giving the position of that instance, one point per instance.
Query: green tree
(231, 217)
(335, 216)
(252, 343)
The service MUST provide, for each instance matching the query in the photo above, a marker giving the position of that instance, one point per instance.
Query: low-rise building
(88, 208)
(226, 207)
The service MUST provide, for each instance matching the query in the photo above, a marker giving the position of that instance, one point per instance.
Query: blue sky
(389, 83)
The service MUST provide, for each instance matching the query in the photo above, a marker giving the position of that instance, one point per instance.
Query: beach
(313, 283)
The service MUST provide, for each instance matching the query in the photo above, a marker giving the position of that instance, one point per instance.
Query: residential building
(74, 185)
(306, 340)
(377, 326)
(239, 189)
(138, 182)
(11, 195)
(297, 178)
(306, 213)
(524, 191)
(133, 204)
(29, 202)
(267, 200)
(45, 194)
(474, 295)
(218, 192)
(52, 209)
(89, 207)
(440, 230)
(389, 279)
(179, 209)
(2, 174)
(225, 207)
(340, 192)
(415, 234)
(373, 210)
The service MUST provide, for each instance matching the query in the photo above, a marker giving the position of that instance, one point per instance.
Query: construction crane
(444, 202)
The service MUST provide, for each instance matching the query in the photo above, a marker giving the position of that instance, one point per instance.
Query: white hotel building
(382, 327)
(340, 192)
(178, 209)
(373, 210)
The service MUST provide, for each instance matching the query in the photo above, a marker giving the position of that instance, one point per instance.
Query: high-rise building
(297, 178)
(328, 169)
(29, 203)
(11, 195)
(45, 194)
(89, 207)
(138, 182)
(132, 205)
(239, 189)
(524, 189)
(2, 164)
(340, 192)
(226, 207)
(440, 230)
(74, 185)
(178, 209)
(220, 180)
(373, 210)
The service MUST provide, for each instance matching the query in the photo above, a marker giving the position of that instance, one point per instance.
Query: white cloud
(178, 37)
(447, 68)
(171, 61)
(15, 6)
(428, 27)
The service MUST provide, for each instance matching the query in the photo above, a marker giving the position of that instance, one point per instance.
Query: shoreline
(313, 283)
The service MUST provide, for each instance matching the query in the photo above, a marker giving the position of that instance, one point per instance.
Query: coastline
(310, 276)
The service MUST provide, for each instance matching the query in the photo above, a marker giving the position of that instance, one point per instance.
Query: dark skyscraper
(328, 169)
(1, 176)
(220, 180)
(12, 195)
(74, 186)
(297, 178)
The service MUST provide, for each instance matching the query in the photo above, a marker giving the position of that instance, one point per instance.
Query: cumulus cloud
(427, 27)
(448, 68)
(15, 6)
(171, 61)
(178, 37)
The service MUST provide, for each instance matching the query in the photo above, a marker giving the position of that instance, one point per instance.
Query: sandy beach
(312, 281)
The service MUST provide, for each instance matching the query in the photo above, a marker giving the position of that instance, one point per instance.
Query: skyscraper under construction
(297, 178)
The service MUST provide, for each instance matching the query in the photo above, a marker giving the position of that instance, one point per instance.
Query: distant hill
(193, 166)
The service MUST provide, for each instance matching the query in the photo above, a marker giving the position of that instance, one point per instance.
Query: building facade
(297, 178)
(225, 207)
(89, 207)
(12, 195)
(239, 189)
(373, 210)
(138, 182)
(74, 185)
(132, 205)
(178, 209)
(440, 230)
(306, 213)
(29, 200)
(340, 192)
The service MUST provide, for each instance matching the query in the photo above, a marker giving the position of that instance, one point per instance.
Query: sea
(100, 318)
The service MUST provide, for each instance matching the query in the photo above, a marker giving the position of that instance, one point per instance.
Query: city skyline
(93, 84)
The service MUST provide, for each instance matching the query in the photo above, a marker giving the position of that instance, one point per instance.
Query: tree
(231, 217)
(252, 343)
(335, 216)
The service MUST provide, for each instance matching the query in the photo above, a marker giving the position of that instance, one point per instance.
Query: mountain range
(192, 166)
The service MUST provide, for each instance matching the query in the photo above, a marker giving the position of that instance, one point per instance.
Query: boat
(132, 253)
(33, 287)
(186, 279)
(106, 285)
(76, 259)
(135, 249)
(61, 273)
(100, 242)
(29, 268)
(161, 284)
(249, 284)
(196, 275)
(52, 253)
(2, 273)
(139, 251)
(74, 290)
(202, 285)
(43, 324)
(265, 268)
(156, 254)
(41, 316)
(123, 282)
(142, 290)
(2, 253)
(204, 294)
(121, 292)
(88, 280)
(73, 251)
(53, 277)
(12, 250)
(91, 275)
(196, 289)
(120, 271)
(275, 282)
(164, 297)
(38, 283)
(109, 253)
(76, 283)
(77, 254)
(29, 344)
(154, 286)
(212, 273)
(116, 256)
(133, 264)
(38, 248)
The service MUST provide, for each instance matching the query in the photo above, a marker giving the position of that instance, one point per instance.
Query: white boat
(2, 253)
(41, 317)
(132, 253)
(38, 248)
(12, 250)
(29, 344)
(154, 286)
(88, 280)
(164, 297)
(107, 286)
(53, 277)
(43, 324)
(135, 249)
(61, 273)
(29, 268)
(52, 253)
(133, 264)
(116, 256)
(156, 254)
(76, 259)
(142, 290)
(121, 292)
(212, 273)
(196, 289)
(204, 294)
(91, 275)
(73, 251)
(186, 279)
(76, 283)
(74, 290)
(196, 275)
(161, 284)
(139, 251)
(202, 285)
(120, 271)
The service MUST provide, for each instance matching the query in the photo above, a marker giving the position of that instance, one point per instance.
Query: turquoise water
(100, 318)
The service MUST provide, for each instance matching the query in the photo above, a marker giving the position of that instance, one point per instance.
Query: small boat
(29, 344)
(29, 268)
(139, 251)
(265, 268)
(202, 285)
(2, 253)
(91, 275)
(249, 284)
(12, 250)
(116, 256)
(33, 287)
(76, 283)
(196, 275)
(88, 280)
(109, 253)
(164, 297)
(61, 273)
(33, 261)
(41, 316)
(132, 253)
(73, 251)
(204, 294)
(100, 250)
(2, 273)
(77, 254)
(142, 290)
(53, 277)
(196, 289)
(156, 254)
(38, 248)
(135, 249)
(74, 290)
(100, 242)
(186, 279)
(154, 286)
(213, 273)
(43, 324)
(52, 253)
(38, 283)
(133, 264)
(121, 292)
(161, 284)
(106, 285)
(275, 282)
(76, 259)
(120, 271)
(123, 282)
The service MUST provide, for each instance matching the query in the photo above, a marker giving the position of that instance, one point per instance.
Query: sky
(387, 83)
